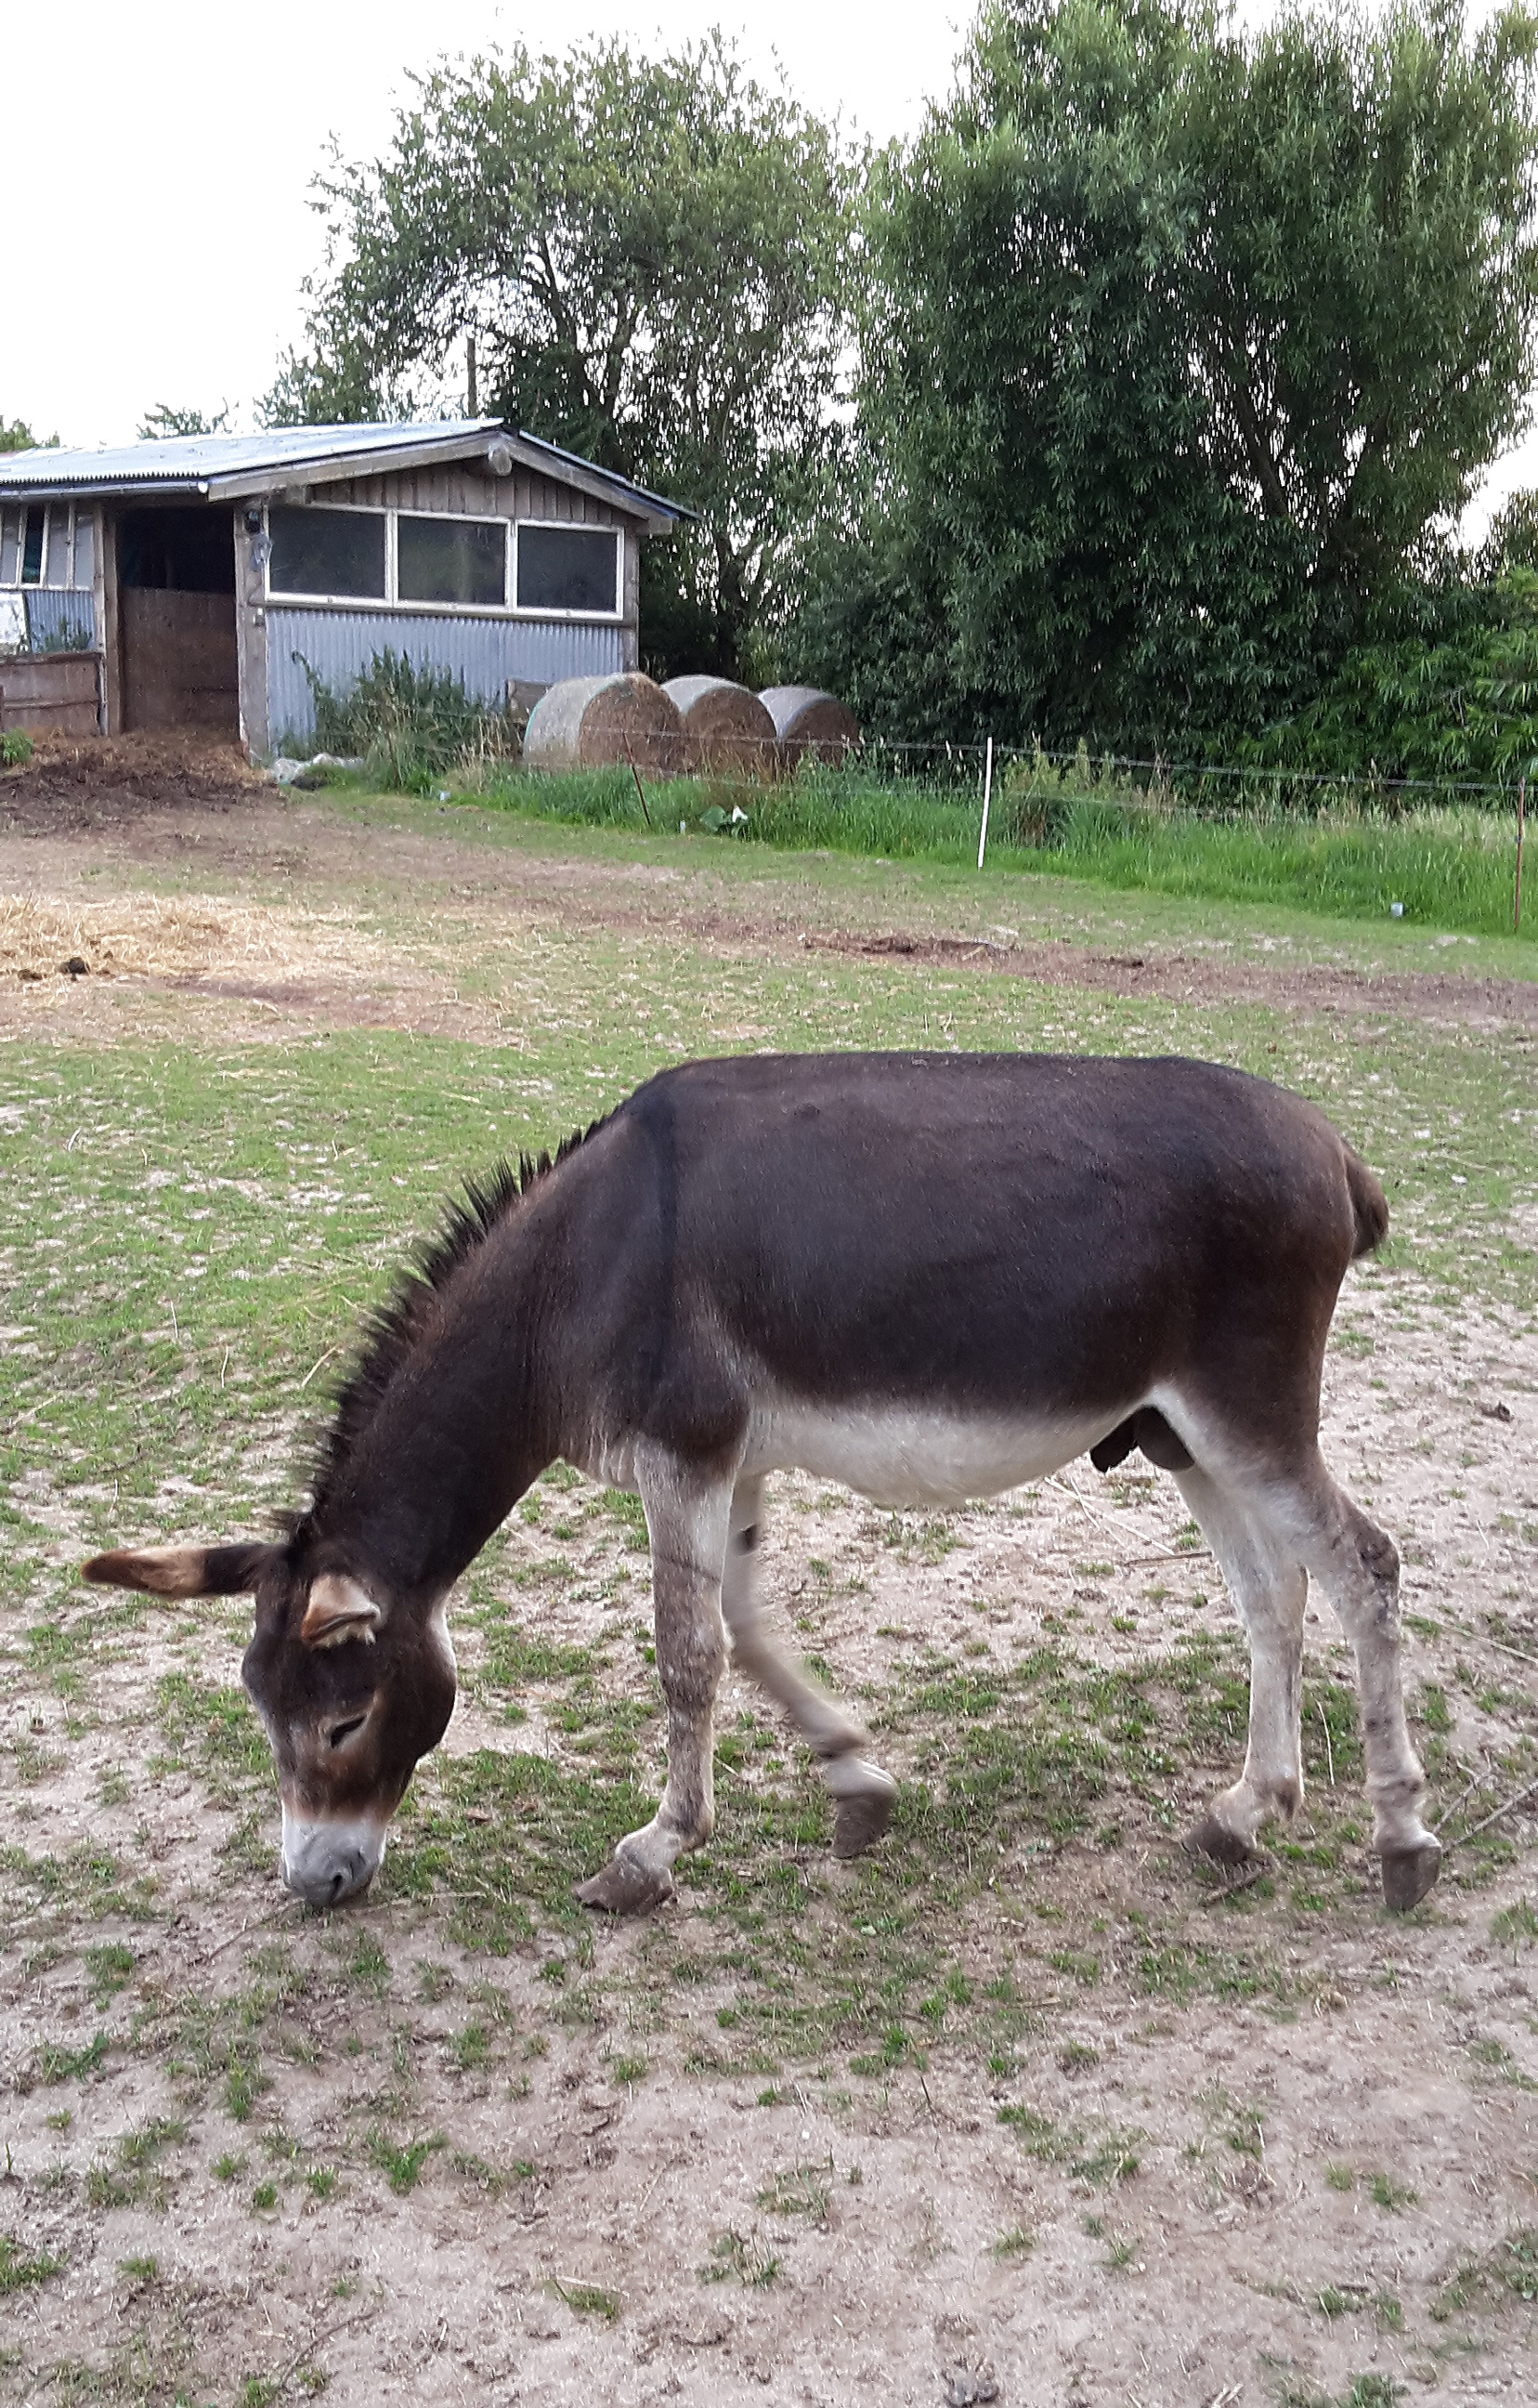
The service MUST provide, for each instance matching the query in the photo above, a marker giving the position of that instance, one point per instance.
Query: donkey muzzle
(324, 1863)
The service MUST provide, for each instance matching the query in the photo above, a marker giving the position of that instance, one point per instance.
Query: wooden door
(178, 659)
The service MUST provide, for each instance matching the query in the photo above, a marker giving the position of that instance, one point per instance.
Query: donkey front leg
(688, 1526)
(862, 1792)
(1269, 1587)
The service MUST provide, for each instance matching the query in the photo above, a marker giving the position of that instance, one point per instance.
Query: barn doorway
(176, 604)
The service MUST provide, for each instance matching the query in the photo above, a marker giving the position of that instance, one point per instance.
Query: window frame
(288, 600)
(465, 518)
(392, 600)
(597, 618)
(73, 514)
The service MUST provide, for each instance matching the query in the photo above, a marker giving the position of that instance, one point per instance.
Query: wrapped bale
(809, 722)
(728, 729)
(595, 723)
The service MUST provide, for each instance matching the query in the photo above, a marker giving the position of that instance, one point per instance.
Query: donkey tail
(1369, 1206)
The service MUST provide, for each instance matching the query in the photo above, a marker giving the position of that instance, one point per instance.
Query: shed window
(451, 560)
(35, 547)
(58, 547)
(328, 551)
(568, 568)
(34, 521)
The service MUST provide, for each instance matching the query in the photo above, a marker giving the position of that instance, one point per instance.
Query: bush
(15, 748)
(410, 724)
(1453, 699)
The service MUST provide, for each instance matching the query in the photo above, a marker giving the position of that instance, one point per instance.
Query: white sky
(159, 160)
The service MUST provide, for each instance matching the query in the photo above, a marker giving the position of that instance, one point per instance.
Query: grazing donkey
(932, 1277)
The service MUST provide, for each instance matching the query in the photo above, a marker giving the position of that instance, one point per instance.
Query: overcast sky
(159, 160)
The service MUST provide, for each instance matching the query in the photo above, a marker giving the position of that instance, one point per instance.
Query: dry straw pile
(46, 939)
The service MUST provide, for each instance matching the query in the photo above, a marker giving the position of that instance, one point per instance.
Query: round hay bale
(595, 723)
(728, 729)
(809, 722)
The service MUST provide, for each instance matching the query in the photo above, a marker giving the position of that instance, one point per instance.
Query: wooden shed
(217, 578)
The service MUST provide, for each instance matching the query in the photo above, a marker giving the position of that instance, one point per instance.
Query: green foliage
(587, 2299)
(16, 746)
(18, 2271)
(157, 424)
(1178, 340)
(1449, 867)
(410, 725)
(58, 2064)
(17, 436)
(1454, 697)
(1512, 539)
(401, 2166)
(648, 255)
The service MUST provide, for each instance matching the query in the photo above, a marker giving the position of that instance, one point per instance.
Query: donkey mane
(393, 1329)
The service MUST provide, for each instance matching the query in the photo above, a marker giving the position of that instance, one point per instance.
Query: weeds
(1448, 865)
(58, 2064)
(1014, 2244)
(799, 2191)
(409, 724)
(401, 2165)
(20, 2269)
(587, 2299)
(733, 2259)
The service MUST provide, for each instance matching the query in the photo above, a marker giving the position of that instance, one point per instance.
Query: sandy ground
(1329, 2192)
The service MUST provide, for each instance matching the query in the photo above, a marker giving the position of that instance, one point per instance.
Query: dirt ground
(1323, 2192)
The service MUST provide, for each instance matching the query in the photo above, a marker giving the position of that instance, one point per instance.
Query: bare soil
(1323, 2185)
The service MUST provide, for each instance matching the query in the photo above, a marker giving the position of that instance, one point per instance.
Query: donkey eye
(339, 1731)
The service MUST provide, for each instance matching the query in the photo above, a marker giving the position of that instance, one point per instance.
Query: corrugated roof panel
(184, 460)
(188, 464)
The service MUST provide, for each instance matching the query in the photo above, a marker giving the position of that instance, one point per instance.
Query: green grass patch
(1447, 866)
(22, 2268)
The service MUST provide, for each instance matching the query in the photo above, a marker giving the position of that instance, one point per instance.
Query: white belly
(907, 1455)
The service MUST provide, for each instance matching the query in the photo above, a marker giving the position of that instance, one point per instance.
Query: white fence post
(987, 789)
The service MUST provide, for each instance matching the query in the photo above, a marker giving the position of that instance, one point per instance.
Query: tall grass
(1448, 866)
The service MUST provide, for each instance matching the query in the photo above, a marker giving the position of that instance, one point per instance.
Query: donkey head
(352, 1691)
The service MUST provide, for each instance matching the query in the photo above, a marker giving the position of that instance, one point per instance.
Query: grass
(262, 1188)
(1447, 866)
(24, 2269)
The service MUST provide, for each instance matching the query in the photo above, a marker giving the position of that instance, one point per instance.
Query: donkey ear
(339, 1609)
(182, 1571)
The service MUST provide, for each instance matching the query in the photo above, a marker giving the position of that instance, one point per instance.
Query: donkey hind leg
(861, 1792)
(1357, 1565)
(1269, 1588)
(688, 1524)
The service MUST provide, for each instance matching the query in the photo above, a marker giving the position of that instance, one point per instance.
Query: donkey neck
(461, 1428)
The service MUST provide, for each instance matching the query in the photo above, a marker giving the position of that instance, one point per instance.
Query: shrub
(410, 724)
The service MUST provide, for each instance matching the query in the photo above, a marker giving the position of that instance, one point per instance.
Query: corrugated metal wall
(55, 614)
(339, 644)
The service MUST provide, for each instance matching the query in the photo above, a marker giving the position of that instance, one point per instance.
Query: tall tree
(1179, 345)
(17, 436)
(157, 424)
(649, 256)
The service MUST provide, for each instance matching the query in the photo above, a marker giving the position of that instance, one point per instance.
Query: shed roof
(224, 468)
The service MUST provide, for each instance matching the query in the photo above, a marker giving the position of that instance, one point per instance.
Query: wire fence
(1209, 789)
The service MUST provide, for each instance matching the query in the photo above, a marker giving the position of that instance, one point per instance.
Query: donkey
(930, 1277)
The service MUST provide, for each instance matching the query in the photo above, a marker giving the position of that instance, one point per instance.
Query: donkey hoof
(859, 1821)
(1409, 1874)
(625, 1888)
(1212, 1838)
